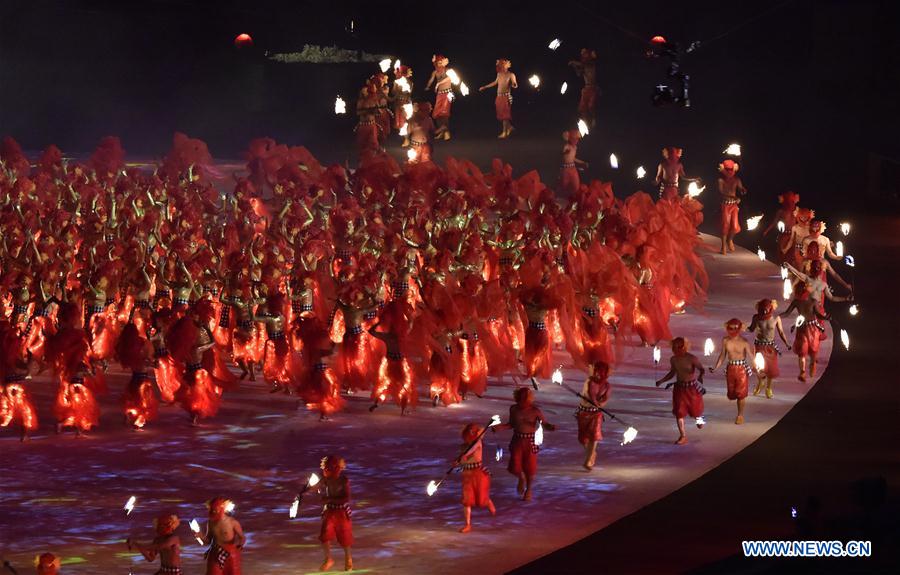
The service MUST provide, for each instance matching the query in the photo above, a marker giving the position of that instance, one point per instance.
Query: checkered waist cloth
(445, 91)
(276, 335)
(321, 366)
(587, 409)
(161, 352)
(297, 306)
(416, 143)
(44, 312)
(337, 507)
(163, 293)
(394, 356)
(741, 362)
(692, 384)
(589, 311)
(343, 254)
(529, 437)
(246, 324)
(765, 343)
(355, 330)
(568, 165)
(448, 348)
(815, 323)
(367, 122)
(219, 554)
(473, 465)
(169, 570)
(76, 379)
(370, 314)
(225, 316)
(730, 201)
(92, 309)
(17, 309)
(506, 261)
(539, 325)
(181, 301)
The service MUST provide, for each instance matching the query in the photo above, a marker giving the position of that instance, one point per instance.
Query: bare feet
(802, 377)
(739, 420)
(327, 564)
(348, 564)
(527, 496)
(681, 440)
(587, 466)
(465, 529)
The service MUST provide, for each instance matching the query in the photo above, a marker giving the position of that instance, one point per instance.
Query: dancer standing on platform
(421, 127)
(569, 180)
(336, 523)
(225, 538)
(401, 98)
(687, 394)
(766, 324)
(166, 545)
(730, 188)
(595, 394)
(586, 67)
(739, 354)
(669, 173)
(810, 331)
(506, 83)
(524, 419)
(476, 480)
(443, 87)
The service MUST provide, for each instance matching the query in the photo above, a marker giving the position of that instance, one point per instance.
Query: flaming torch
(454, 77)
(583, 128)
(404, 84)
(839, 249)
(535, 81)
(613, 161)
(784, 273)
(845, 228)
(195, 528)
(845, 339)
(564, 87)
(433, 485)
(340, 106)
(708, 347)
(694, 190)
(404, 129)
(385, 65)
(780, 227)
(733, 150)
(129, 505)
(799, 321)
(312, 481)
(463, 89)
(641, 172)
(408, 110)
(761, 254)
(539, 434)
(788, 289)
(759, 362)
(657, 355)
(753, 223)
(554, 44)
(411, 155)
(854, 309)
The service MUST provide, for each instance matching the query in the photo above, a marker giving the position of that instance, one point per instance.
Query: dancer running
(688, 391)
(737, 351)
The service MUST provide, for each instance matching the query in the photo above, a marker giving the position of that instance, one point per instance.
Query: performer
(166, 545)
(586, 67)
(15, 401)
(730, 188)
(368, 131)
(75, 404)
(443, 88)
(669, 173)
(421, 127)
(336, 523)
(739, 354)
(395, 373)
(401, 98)
(766, 324)
(524, 418)
(476, 480)
(688, 391)
(225, 538)
(569, 180)
(785, 215)
(809, 334)
(595, 394)
(506, 83)
(47, 564)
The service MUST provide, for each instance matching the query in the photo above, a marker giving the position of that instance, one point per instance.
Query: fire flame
(432, 487)
(564, 87)
(295, 508)
(463, 89)
(411, 155)
(613, 161)
(854, 309)
(554, 44)
(753, 223)
(340, 106)
(404, 85)
(845, 228)
(733, 150)
(694, 190)
(799, 321)
(839, 249)
(539, 434)
(454, 77)
(784, 273)
(759, 362)
(780, 227)
(313, 480)
(195, 527)
(557, 376)
(708, 347)
(385, 65)
(404, 129)
(583, 128)
(498, 455)
(641, 172)
(129, 505)
(788, 289)
(845, 339)
(535, 81)
(495, 420)
(408, 110)
(629, 436)
(657, 354)
(761, 254)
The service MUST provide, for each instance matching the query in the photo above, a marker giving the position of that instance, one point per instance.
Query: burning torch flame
(701, 421)
(535, 81)
(195, 527)
(694, 190)
(784, 273)
(295, 508)
(733, 150)
(499, 454)
(463, 89)
(385, 65)
(613, 161)
(397, 64)
(539, 434)
(629, 436)
(451, 96)
(753, 223)
(229, 507)
(340, 106)
(129, 505)
(432, 487)
(495, 420)
(583, 128)
(845, 339)
(454, 77)
(564, 87)
(780, 227)
(404, 129)
(799, 321)
(657, 354)
(411, 155)
(761, 254)
(854, 309)
(408, 110)
(788, 289)
(313, 480)
(557, 377)
(850, 261)
(404, 84)
(708, 347)
(641, 172)
(839, 249)
(554, 44)
(845, 228)
(759, 362)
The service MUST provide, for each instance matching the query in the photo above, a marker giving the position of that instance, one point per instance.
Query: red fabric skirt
(76, 407)
(442, 106)
(807, 340)
(199, 395)
(588, 102)
(686, 400)
(476, 487)
(16, 407)
(473, 376)
(736, 380)
(395, 380)
(337, 526)
(730, 222)
(770, 354)
(232, 565)
(589, 426)
(569, 181)
(522, 457)
(321, 392)
(537, 352)
(141, 406)
(503, 106)
(367, 138)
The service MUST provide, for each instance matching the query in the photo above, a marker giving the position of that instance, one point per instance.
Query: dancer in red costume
(569, 180)
(166, 545)
(505, 83)
(784, 221)
(730, 188)
(75, 404)
(135, 354)
(586, 67)
(737, 352)
(279, 368)
(368, 131)
(669, 173)
(766, 324)
(476, 480)
(809, 334)
(319, 388)
(395, 374)
(336, 524)
(595, 394)
(47, 564)
(421, 127)
(793, 251)
(401, 99)
(190, 338)
(524, 419)
(687, 395)
(443, 87)
(16, 405)
(225, 538)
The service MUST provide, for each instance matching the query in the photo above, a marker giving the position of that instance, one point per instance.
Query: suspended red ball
(658, 40)
(243, 40)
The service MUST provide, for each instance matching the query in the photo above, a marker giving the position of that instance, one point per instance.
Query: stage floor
(65, 494)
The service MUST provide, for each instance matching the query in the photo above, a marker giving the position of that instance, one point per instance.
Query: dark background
(808, 88)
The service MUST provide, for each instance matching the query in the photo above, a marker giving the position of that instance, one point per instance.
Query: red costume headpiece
(572, 136)
(166, 524)
(789, 198)
(672, 152)
(440, 61)
(734, 326)
(332, 464)
(471, 431)
(403, 72)
(503, 65)
(47, 564)
(218, 507)
(729, 167)
(766, 307)
(804, 215)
